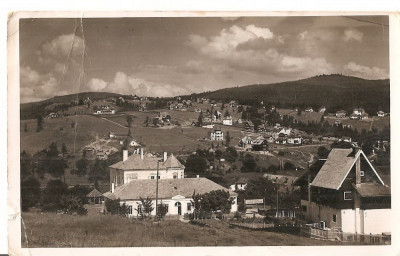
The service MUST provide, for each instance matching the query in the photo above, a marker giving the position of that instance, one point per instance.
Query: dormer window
(362, 173)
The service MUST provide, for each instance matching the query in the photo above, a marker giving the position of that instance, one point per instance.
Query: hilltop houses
(346, 194)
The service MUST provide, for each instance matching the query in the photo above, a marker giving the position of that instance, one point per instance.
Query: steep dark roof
(167, 188)
(335, 169)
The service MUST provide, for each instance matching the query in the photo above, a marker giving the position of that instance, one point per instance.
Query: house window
(347, 195)
(152, 177)
(189, 206)
(130, 209)
(139, 209)
(334, 218)
(304, 208)
(361, 173)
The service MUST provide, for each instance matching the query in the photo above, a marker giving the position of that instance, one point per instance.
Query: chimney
(124, 155)
(165, 156)
(141, 153)
(112, 187)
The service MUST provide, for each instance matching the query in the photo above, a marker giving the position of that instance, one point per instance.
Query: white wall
(348, 217)
(172, 208)
(145, 174)
(377, 221)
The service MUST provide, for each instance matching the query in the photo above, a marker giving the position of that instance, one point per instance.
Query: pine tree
(39, 120)
(227, 139)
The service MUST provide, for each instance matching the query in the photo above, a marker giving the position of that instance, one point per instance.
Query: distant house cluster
(104, 110)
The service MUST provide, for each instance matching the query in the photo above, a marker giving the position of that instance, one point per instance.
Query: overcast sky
(175, 56)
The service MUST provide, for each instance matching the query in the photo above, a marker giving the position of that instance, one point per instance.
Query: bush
(30, 193)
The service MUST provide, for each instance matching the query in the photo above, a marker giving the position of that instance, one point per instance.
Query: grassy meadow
(51, 230)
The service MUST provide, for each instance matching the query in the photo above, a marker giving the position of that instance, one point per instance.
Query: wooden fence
(337, 235)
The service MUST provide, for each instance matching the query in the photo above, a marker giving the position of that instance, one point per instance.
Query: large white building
(143, 167)
(175, 193)
(135, 177)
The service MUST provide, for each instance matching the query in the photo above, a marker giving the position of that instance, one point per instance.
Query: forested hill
(333, 91)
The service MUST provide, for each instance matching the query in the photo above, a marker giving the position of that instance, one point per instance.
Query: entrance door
(179, 205)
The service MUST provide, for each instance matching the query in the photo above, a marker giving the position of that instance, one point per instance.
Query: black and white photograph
(204, 131)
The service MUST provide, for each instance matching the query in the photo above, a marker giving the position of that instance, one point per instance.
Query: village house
(246, 143)
(227, 121)
(294, 140)
(142, 108)
(338, 122)
(241, 184)
(232, 104)
(309, 109)
(259, 144)
(53, 115)
(176, 194)
(101, 155)
(346, 194)
(341, 114)
(217, 135)
(197, 110)
(282, 139)
(322, 109)
(249, 126)
(284, 178)
(380, 113)
(141, 166)
(358, 111)
(95, 197)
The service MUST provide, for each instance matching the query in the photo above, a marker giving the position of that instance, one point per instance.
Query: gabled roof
(94, 193)
(172, 162)
(135, 162)
(167, 188)
(336, 168)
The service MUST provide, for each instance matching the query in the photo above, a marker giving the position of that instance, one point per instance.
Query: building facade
(347, 194)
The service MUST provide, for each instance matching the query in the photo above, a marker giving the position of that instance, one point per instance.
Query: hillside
(31, 109)
(334, 91)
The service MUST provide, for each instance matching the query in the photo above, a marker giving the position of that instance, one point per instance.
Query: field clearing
(59, 130)
(51, 230)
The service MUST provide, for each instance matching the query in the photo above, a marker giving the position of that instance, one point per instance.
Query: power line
(367, 21)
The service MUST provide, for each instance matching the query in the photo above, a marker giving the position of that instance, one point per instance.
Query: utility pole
(158, 163)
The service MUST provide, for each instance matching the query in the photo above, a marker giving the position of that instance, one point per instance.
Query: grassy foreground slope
(50, 230)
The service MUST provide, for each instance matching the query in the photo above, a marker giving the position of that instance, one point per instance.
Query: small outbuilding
(95, 197)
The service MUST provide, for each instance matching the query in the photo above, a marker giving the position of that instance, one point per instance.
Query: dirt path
(114, 122)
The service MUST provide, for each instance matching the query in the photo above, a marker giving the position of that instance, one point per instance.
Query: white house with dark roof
(175, 193)
(347, 194)
(141, 167)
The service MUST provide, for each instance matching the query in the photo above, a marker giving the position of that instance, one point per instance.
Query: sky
(166, 57)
